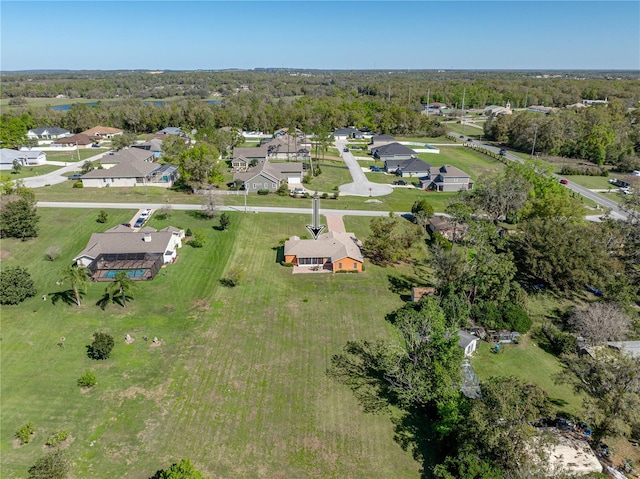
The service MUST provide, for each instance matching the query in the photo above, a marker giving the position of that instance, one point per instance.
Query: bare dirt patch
(4, 254)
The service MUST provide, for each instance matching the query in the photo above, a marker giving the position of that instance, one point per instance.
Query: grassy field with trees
(238, 383)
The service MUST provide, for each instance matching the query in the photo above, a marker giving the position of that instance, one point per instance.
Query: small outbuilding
(468, 342)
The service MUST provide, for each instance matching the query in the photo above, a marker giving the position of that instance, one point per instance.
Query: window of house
(339, 265)
(274, 185)
(266, 185)
(254, 186)
(355, 265)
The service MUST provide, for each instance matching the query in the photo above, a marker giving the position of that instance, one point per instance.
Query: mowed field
(238, 383)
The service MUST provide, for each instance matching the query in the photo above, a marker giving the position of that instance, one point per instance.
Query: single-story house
(468, 342)
(170, 130)
(413, 167)
(380, 140)
(141, 254)
(24, 158)
(130, 167)
(80, 140)
(258, 153)
(333, 251)
(393, 151)
(447, 228)
(269, 176)
(47, 133)
(346, 133)
(286, 147)
(446, 178)
(154, 145)
(102, 132)
(630, 347)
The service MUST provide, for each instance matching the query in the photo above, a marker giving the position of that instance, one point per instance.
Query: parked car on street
(400, 182)
(346, 150)
(564, 182)
(503, 152)
(298, 191)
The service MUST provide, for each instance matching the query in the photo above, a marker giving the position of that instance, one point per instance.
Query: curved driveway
(360, 186)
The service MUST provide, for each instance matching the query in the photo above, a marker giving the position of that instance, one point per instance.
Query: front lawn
(71, 156)
(468, 160)
(238, 383)
(334, 174)
(29, 171)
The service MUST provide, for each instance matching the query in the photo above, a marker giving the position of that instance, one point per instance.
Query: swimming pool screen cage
(139, 266)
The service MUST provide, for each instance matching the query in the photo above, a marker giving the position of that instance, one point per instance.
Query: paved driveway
(360, 186)
(335, 223)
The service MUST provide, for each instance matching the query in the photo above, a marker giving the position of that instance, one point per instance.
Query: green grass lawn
(334, 174)
(592, 182)
(239, 382)
(29, 171)
(438, 139)
(468, 160)
(71, 156)
(530, 363)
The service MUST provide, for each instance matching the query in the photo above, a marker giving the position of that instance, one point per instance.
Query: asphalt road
(250, 209)
(616, 211)
(56, 177)
(360, 186)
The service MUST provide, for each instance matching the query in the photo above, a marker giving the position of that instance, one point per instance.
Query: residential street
(360, 186)
(56, 177)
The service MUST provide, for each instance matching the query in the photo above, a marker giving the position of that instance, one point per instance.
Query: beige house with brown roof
(269, 176)
(333, 251)
(102, 132)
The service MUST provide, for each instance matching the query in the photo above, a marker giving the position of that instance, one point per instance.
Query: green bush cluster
(87, 380)
(198, 240)
(584, 170)
(78, 184)
(508, 316)
(263, 192)
(25, 432)
(101, 346)
(57, 437)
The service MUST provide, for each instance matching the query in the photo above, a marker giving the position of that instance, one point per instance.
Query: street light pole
(535, 134)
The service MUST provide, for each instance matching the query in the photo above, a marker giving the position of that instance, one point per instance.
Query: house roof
(8, 155)
(276, 171)
(412, 165)
(334, 245)
(53, 130)
(80, 139)
(154, 144)
(440, 223)
(170, 130)
(630, 347)
(127, 155)
(382, 138)
(133, 169)
(393, 149)
(466, 339)
(346, 131)
(259, 152)
(102, 130)
(116, 240)
(448, 171)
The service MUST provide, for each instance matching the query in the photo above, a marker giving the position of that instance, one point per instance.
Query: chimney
(147, 238)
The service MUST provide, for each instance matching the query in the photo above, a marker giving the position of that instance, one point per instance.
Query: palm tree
(122, 285)
(78, 276)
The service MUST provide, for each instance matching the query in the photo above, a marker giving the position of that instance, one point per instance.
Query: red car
(564, 182)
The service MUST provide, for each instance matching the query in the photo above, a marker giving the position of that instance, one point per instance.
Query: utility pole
(464, 92)
(535, 134)
(428, 92)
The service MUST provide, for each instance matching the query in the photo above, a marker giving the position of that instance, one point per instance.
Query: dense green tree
(199, 167)
(13, 132)
(225, 221)
(610, 382)
(181, 470)
(78, 277)
(18, 214)
(53, 465)
(422, 211)
(123, 141)
(172, 147)
(391, 239)
(101, 346)
(500, 196)
(16, 285)
(562, 254)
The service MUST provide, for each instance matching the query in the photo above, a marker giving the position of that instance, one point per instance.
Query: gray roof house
(154, 145)
(447, 178)
(630, 347)
(413, 167)
(141, 254)
(170, 130)
(468, 342)
(380, 140)
(393, 151)
(349, 132)
(269, 176)
(130, 167)
(24, 158)
(258, 153)
(47, 133)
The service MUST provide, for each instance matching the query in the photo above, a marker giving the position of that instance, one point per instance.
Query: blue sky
(185, 35)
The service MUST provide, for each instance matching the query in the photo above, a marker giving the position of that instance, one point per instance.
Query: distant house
(434, 108)
(332, 251)
(393, 151)
(102, 132)
(269, 176)
(495, 110)
(130, 167)
(541, 109)
(154, 145)
(447, 178)
(468, 342)
(23, 157)
(630, 347)
(141, 254)
(380, 140)
(446, 227)
(170, 130)
(240, 163)
(80, 140)
(346, 133)
(47, 133)
(413, 167)
(286, 147)
(595, 102)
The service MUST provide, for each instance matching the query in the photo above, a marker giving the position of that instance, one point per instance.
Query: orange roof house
(102, 132)
(332, 251)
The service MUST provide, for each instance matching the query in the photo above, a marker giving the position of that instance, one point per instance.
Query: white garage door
(294, 179)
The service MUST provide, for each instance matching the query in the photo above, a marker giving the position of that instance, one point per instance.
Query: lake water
(66, 106)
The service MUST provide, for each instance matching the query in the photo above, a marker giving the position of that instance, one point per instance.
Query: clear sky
(184, 35)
